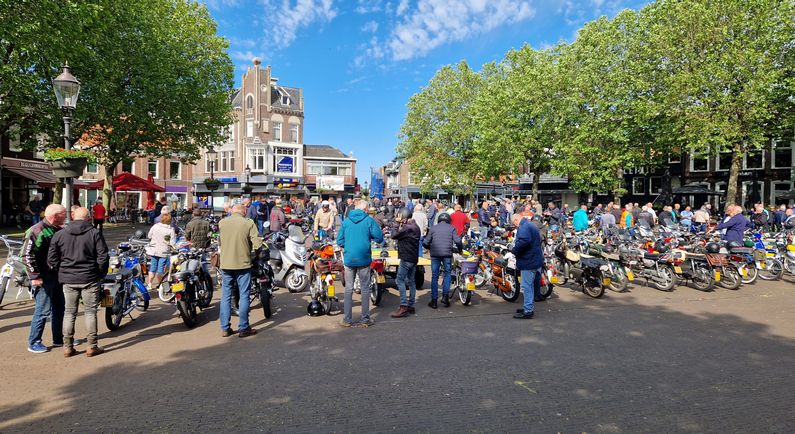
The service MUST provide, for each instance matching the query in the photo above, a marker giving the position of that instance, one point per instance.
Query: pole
(67, 120)
(212, 176)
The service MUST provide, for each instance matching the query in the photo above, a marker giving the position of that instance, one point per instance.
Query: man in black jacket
(407, 235)
(80, 255)
(442, 240)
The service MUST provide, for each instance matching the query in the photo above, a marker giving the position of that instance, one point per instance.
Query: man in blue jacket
(355, 235)
(733, 227)
(529, 261)
(580, 220)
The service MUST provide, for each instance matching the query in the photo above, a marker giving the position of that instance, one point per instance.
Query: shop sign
(334, 183)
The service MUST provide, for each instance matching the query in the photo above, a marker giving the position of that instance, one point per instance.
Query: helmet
(662, 248)
(444, 217)
(324, 203)
(713, 248)
(405, 213)
(734, 244)
(139, 234)
(748, 243)
(315, 308)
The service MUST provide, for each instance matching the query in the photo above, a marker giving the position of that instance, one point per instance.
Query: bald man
(80, 255)
(47, 291)
(239, 237)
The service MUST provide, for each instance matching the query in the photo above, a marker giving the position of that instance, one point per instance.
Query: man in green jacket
(239, 237)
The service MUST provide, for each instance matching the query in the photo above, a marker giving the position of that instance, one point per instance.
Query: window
(655, 184)
(227, 161)
(698, 163)
(294, 133)
(210, 165)
(232, 129)
(257, 159)
(724, 160)
(277, 131)
(782, 155)
(780, 188)
(174, 170)
(152, 167)
(127, 166)
(92, 168)
(278, 154)
(754, 160)
(749, 196)
(638, 186)
(285, 98)
(340, 168)
(249, 128)
(249, 105)
(675, 159)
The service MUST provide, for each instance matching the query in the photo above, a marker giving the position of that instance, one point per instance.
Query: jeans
(243, 279)
(528, 288)
(421, 239)
(260, 226)
(405, 275)
(363, 274)
(49, 304)
(537, 284)
(90, 293)
(36, 217)
(436, 263)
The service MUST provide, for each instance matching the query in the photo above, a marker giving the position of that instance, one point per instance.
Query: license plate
(554, 280)
(470, 286)
(678, 270)
(606, 281)
(745, 271)
(7, 270)
(630, 276)
(717, 276)
(106, 300)
(380, 279)
(177, 287)
(330, 291)
(762, 264)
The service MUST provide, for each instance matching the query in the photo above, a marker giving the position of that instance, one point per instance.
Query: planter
(69, 168)
(247, 189)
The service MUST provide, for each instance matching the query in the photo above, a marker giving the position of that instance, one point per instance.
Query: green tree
(728, 69)
(437, 137)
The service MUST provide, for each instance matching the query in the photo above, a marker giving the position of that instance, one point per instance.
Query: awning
(126, 181)
(40, 176)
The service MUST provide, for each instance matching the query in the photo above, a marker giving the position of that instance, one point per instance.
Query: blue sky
(359, 61)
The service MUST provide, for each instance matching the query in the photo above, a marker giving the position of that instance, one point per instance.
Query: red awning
(126, 181)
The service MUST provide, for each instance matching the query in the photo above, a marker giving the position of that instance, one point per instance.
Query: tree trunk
(536, 181)
(57, 193)
(619, 189)
(107, 191)
(732, 196)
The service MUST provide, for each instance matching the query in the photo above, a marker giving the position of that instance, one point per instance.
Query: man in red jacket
(459, 220)
(99, 215)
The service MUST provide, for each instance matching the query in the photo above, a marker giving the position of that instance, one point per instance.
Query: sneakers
(69, 352)
(94, 351)
(367, 322)
(38, 348)
(345, 324)
(228, 332)
(522, 315)
(244, 333)
(402, 312)
(432, 304)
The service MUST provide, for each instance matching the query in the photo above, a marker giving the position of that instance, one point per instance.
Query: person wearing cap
(324, 220)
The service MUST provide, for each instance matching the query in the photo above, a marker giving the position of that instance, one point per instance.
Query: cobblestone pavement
(640, 361)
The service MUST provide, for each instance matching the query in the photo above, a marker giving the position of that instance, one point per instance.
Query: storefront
(20, 181)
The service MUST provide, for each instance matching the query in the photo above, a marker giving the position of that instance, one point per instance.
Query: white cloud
(368, 6)
(436, 22)
(370, 27)
(402, 7)
(286, 17)
(244, 56)
(220, 4)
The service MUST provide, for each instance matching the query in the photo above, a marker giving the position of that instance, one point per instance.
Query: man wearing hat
(324, 220)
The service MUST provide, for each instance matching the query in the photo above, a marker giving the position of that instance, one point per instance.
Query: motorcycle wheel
(789, 264)
(702, 278)
(593, 289)
(482, 276)
(546, 290)
(4, 282)
(204, 292)
(113, 320)
(751, 276)
(463, 294)
(730, 278)
(265, 299)
(665, 278)
(773, 270)
(514, 293)
(296, 282)
(619, 281)
(165, 297)
(419, 277)
(187, 312)
(376, 290)
(140, 303)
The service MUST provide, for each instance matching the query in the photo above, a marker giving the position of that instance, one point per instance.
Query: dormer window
(285, 99)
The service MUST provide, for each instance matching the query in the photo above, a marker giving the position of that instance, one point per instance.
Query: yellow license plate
(717, 276)
(106, 301)
(330, 291)
(678, 270)
(554, 280)
(110, 270)
(630, 276)
(177, 287)
(470, 286)
(380, 279)
(745, 272)
(771, 255)
(606, 281)
(762, 264)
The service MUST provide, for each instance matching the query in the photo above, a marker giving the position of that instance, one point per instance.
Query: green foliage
(56, 154)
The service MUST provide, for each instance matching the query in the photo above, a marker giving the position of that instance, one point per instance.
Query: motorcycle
(324, 267)
(589, 272)
(13, 269)
(503, 273)
(465, 269)
(650, 266)
(123, 288)
(691, 267)
(288, 259)
(190, 284)
(261, 283)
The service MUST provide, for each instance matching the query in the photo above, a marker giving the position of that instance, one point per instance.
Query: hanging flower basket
(247, 189)
(68, 164)
(212, 184)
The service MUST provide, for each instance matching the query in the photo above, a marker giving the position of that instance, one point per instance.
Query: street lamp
(211, 155)
(248, 174)
(67, 89)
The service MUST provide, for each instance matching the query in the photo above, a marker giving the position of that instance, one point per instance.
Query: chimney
(256, 61)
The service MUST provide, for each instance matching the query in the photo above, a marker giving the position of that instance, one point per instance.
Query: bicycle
(13, 264)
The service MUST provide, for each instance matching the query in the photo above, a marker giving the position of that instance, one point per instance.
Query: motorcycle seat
(742, 250)
(590, 262)
(122, 274)
(501, 262)
(611, 256)
(651, 256)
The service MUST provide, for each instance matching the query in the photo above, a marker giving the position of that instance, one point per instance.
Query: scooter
(589, 272)
(288, 259)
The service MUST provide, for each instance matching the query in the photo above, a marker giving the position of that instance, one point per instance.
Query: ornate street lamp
(248, 188)
(67, 89)
(211, 155)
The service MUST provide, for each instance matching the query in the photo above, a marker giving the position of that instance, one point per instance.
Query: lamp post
(67, 89)
(248, 177)
(211, 155)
